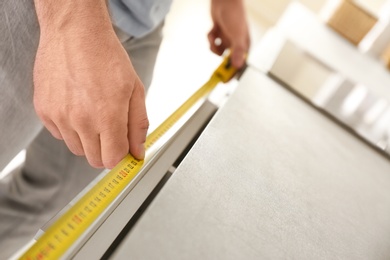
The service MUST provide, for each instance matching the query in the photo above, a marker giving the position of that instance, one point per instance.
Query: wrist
(225, 1)
(77, 17)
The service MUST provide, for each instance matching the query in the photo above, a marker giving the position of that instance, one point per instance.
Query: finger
(213, 34)
(138, 122)
(224, 44)
(239, 52)
(218, 49)
(215, 41)
(114, 142)
(72, 140)
(91, 146)
(218, 46)
(53, 129)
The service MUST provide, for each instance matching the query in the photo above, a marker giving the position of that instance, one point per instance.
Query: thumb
(138, 122)
(238, 55)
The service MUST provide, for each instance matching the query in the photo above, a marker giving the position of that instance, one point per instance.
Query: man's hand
(230, 30)
(86, 91)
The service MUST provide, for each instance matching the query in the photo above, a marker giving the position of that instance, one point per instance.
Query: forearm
(72, 15)
(234, 9)
(226, 1)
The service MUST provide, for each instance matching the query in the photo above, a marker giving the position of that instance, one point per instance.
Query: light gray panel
(146, 180)
(270, 178)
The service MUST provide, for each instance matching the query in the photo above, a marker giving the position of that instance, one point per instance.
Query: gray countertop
(270, 178)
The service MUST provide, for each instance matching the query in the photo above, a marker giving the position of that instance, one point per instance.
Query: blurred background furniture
(307, 55)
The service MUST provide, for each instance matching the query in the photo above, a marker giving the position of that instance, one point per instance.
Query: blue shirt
(138, 17)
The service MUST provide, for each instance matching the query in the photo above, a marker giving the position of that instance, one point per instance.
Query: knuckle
(74, 147)
(44, 118)
(144, 123)
(79, 153)
(76, 151)
(57, 116)
(94, 158)
(114, 152)
(139, 87)
(41, 112)
(112, 161)
(56, 136)
(95, 163)
(110, 129)
(107, 119)
(79, 119)
(48, 112)
(123, 90)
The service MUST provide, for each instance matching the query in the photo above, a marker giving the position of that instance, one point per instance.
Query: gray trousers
(51, 176)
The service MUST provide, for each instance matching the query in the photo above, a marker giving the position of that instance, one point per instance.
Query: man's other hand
(230, 30)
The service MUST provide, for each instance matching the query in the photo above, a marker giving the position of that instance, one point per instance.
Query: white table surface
(270, 178)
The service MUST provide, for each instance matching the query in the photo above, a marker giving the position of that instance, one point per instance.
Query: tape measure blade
(49, 223)
(72, 224)
(176, 115)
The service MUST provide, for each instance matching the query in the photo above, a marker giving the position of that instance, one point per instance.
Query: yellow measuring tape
(70, 226)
